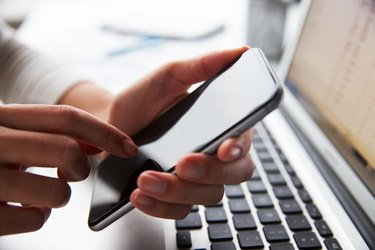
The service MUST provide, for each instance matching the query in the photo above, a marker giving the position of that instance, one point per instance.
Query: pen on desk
(143, 42)
(131, 32)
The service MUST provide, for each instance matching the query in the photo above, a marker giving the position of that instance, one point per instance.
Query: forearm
(27, 76)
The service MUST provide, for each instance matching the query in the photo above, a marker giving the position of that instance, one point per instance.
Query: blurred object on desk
(73, 32)
(266, 25)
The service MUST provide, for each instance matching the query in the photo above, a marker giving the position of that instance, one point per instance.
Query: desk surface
(77, 39)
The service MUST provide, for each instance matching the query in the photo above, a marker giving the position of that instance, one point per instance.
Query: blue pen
(143, 42)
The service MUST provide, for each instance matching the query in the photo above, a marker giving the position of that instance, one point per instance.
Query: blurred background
(113, 41)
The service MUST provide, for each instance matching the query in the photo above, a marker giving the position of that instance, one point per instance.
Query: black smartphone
(222, 107)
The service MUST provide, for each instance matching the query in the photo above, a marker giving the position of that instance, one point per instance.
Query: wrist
(89, 97)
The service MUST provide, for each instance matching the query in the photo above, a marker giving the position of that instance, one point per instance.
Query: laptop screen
(333, 75)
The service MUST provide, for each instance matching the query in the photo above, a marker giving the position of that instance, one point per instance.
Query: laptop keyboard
(272, 210)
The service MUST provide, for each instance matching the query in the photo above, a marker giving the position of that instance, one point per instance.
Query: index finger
(70, 121)
(203, 67)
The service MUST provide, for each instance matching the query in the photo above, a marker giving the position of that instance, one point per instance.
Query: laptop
(314, 180)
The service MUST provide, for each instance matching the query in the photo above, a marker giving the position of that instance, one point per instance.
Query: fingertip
(37, 219)
(192, 166)
(245, 48)
(60, 192)
(234, 153)
(241, 49)
(140, 200)
(229, 151)
(47, 213)
(73, 177)
(129, 147)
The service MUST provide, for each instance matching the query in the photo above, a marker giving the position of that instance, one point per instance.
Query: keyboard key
(332, 244)
(298, 222)
(313, 211)
(260, 147)
(304, 195)
(270, 167)
(195, 208)
(256, 186)
(283, 192)
(257, 141)
(265, 157)
(276, 179)
(215, 214)
(275, 233)
(250, 239)
(281, 246)
(282, 157)
(290, 207)
(227, 245)
(307, 240)
(239, 206)
(268, 216)
(234, 191)
(219, 232)
(296, 182)
(262, 200)
(219, 204)
(290, 170)
(244, 221)
(323, 228)
(255, 175)
(192, 221)
(183, 239)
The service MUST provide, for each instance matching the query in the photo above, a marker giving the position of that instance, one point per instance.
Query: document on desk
(117, 42)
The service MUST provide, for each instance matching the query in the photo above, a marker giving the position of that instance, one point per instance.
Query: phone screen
(221, 107)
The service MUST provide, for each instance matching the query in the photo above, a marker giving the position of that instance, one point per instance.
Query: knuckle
(171, 66)
(205, 68)
(69, 114)
(170, 72)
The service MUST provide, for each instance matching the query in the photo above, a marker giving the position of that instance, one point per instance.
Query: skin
(66, 134)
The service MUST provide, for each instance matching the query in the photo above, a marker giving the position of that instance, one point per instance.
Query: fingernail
(129, 147)
(152, 184)
(234, 153)
(193, 171)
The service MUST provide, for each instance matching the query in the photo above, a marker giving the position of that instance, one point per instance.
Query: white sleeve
(26, 76)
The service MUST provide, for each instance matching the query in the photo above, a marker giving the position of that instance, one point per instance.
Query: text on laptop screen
(334, 70)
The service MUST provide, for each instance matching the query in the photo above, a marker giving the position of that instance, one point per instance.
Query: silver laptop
(314, 182)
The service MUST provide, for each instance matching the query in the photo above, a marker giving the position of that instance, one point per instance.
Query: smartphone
(222, 107)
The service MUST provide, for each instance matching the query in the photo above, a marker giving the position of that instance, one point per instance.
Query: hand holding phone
(222, 107)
